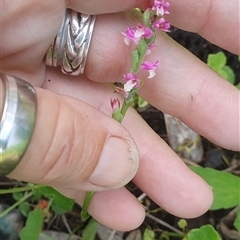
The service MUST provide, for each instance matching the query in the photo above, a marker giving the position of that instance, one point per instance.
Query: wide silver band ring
(17, 122)
(70, 47)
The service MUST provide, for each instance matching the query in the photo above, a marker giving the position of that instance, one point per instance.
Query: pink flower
(161, 24)
(150, 67)
(115, 103)
(160, 7)
(132, 82)
(150, 47)
(134, 34)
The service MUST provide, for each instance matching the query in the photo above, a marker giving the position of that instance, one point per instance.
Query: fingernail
(117, 165)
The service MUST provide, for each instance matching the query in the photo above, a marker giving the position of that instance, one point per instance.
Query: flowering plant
(143, 37)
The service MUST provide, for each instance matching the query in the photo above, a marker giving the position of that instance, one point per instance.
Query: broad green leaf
(57, 209)
(148, 234)
(238, 86)
(24, 208)
(230, 75)
(17, 195)
(222, 73)
(206, 232)
(90, 231)
(236, 222)
(33, 225)
(216, 61)
(64, 202)
(225, 187)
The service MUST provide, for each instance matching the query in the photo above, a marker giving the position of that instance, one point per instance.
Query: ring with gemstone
(70, 47)
(17, 121)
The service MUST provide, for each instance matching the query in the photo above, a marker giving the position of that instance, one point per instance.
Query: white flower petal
(129, 85)
(152, 73)
(127, 41)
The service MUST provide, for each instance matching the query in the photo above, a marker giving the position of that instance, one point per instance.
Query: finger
(106, 6)
(182, 87)
(23, 46)
(208, 18)
(116, 209)
(75, 145)
(162, 175)
(211, 19)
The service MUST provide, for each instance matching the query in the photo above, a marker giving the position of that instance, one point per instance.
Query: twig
(230, 169)
(9, 209)
(164, 223)
(189, 162)
(66, 223)
(51, 221)
(112, 235)
(141, 197)
(13, 183)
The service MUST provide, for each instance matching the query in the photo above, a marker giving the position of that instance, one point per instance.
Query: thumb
(76, 146)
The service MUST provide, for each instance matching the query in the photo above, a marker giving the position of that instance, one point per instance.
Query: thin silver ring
(17, 122)
(70, 47)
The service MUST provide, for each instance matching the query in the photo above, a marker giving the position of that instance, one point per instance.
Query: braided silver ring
(17, 122)
(70, 47)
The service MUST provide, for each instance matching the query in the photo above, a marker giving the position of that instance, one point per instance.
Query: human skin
(183, 87)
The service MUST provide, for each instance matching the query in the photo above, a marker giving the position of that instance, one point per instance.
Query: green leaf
(57, 209)
(17, 195)
(206, 232)
(238, 86)
(225, 187)
(63, 202)
(222, 73)
(33, 225)
(24, 208)
(239, 58)
(148, 234)
(230, 75)
(216, 61)
(90, 231)
(236, 222)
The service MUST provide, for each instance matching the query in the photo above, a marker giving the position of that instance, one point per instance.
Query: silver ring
(70, 47)
(17, 122)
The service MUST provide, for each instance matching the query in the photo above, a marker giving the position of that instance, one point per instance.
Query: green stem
(172, 234)
(127, 103)
(20, 189)
(49, 204)
(25, 197)
(87, 200)
(124, 109)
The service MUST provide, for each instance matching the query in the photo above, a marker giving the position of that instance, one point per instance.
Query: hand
(69, 127)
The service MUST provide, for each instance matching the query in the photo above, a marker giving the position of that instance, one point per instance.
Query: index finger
(216, 21)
